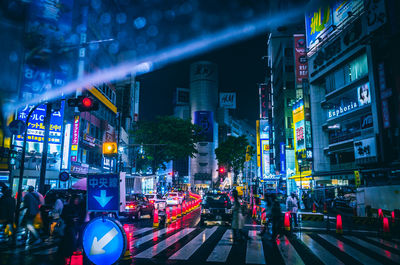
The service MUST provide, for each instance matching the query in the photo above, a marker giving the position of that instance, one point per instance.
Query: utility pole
(45, 148)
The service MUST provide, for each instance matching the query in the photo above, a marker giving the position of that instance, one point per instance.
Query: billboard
(258, 143)
(75, 139)
(342, 8)
(283, 158)
(365, 148)
(265, 158)
(36, 127)
(300, 56)
(205, 120)
(264, 129)
(363, 94)
(227, 100)
(265, 102)
(299, 125)
(318, 24)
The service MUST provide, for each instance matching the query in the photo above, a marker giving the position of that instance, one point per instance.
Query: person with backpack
(31, 204)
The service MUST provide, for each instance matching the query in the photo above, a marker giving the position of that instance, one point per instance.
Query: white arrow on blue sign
(104, 241)
(103, 192)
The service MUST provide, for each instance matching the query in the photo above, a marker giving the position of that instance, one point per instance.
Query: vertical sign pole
(45, 148)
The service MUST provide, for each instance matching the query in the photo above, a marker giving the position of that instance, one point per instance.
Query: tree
(232, 154)
(165, 139)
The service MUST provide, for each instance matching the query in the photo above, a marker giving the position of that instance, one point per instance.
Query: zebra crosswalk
(215, 245)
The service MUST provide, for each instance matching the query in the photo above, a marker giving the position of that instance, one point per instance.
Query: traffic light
(221, 170)
(84, 103)
(110, 148)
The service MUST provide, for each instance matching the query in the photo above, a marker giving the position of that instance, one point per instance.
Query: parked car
(216, 207)
(175, 198)
(158, 201)
(138, 205)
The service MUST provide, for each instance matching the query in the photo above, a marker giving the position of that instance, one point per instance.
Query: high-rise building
(203, 107)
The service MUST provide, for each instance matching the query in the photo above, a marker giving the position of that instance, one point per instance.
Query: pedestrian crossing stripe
(190, 248)
(223, 248)
(377, 250)
(366, 250)
(323, 255)
(288, 252)
(349, 250)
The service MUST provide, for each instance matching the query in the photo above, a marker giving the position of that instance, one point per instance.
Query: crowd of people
(64, 218)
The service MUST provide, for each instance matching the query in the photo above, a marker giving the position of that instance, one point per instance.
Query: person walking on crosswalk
(237, 219)
(292, 207)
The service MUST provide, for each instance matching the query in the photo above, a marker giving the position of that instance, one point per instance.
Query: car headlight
(205, 211)
(228, 211)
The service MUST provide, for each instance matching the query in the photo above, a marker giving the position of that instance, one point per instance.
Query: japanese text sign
(103, 192)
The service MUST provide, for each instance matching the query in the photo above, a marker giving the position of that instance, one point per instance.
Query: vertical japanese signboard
(75, 139)
(299, 125)
(265, 103)
(283, 158)
(265, 148)
(103, 192)
(300, 56)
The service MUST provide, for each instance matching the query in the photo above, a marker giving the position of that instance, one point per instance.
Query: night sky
(240, 69)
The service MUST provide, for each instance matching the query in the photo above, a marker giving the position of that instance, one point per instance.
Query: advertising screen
(265, 159)
(318, 23)
(299, 125)
(205, 120)
(300, 55)
(264, 129)
(363, 95)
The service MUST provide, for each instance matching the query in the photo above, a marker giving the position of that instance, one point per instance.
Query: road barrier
(339, 224)
(286, 222)
(179, 211)
(173, 213)
(314, 208)
(155, 218)
(316, 217)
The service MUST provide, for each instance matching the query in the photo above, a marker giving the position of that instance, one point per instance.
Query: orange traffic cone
(287, 221)
(254, 214)
(179, 211)
(393, 217)
(386, 228)
(314, 208)
(380, 213)
(173, 213)
(168, 214)
(155, 218)
(325, 208)
(339, 224)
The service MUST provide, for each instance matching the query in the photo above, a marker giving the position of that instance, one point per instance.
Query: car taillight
(226, 203)
(176, 198)
(151, 201)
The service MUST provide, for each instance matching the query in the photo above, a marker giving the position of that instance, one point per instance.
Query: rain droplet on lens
(140, 22)
(13, 56)
(152, 31)
(121, 18)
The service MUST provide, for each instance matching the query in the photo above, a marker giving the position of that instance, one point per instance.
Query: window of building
(289, 122)
(289, 84)
(289, 68)
(345, 157)
(288, 52)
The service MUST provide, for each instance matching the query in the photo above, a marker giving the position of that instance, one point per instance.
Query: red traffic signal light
(87, 102)
(84, 103)
(221, 170)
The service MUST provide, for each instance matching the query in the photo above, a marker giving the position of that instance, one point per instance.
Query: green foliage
(232, 153)
(165, 139)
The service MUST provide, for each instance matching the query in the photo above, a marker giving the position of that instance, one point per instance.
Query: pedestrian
(70, 216)
(267, 212)
(237, 219)
(7, 209)
(31, 204)
(292, 207)
(56, 221)
(276, 218)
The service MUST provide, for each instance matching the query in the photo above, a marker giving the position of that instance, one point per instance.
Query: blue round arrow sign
(104, 241)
